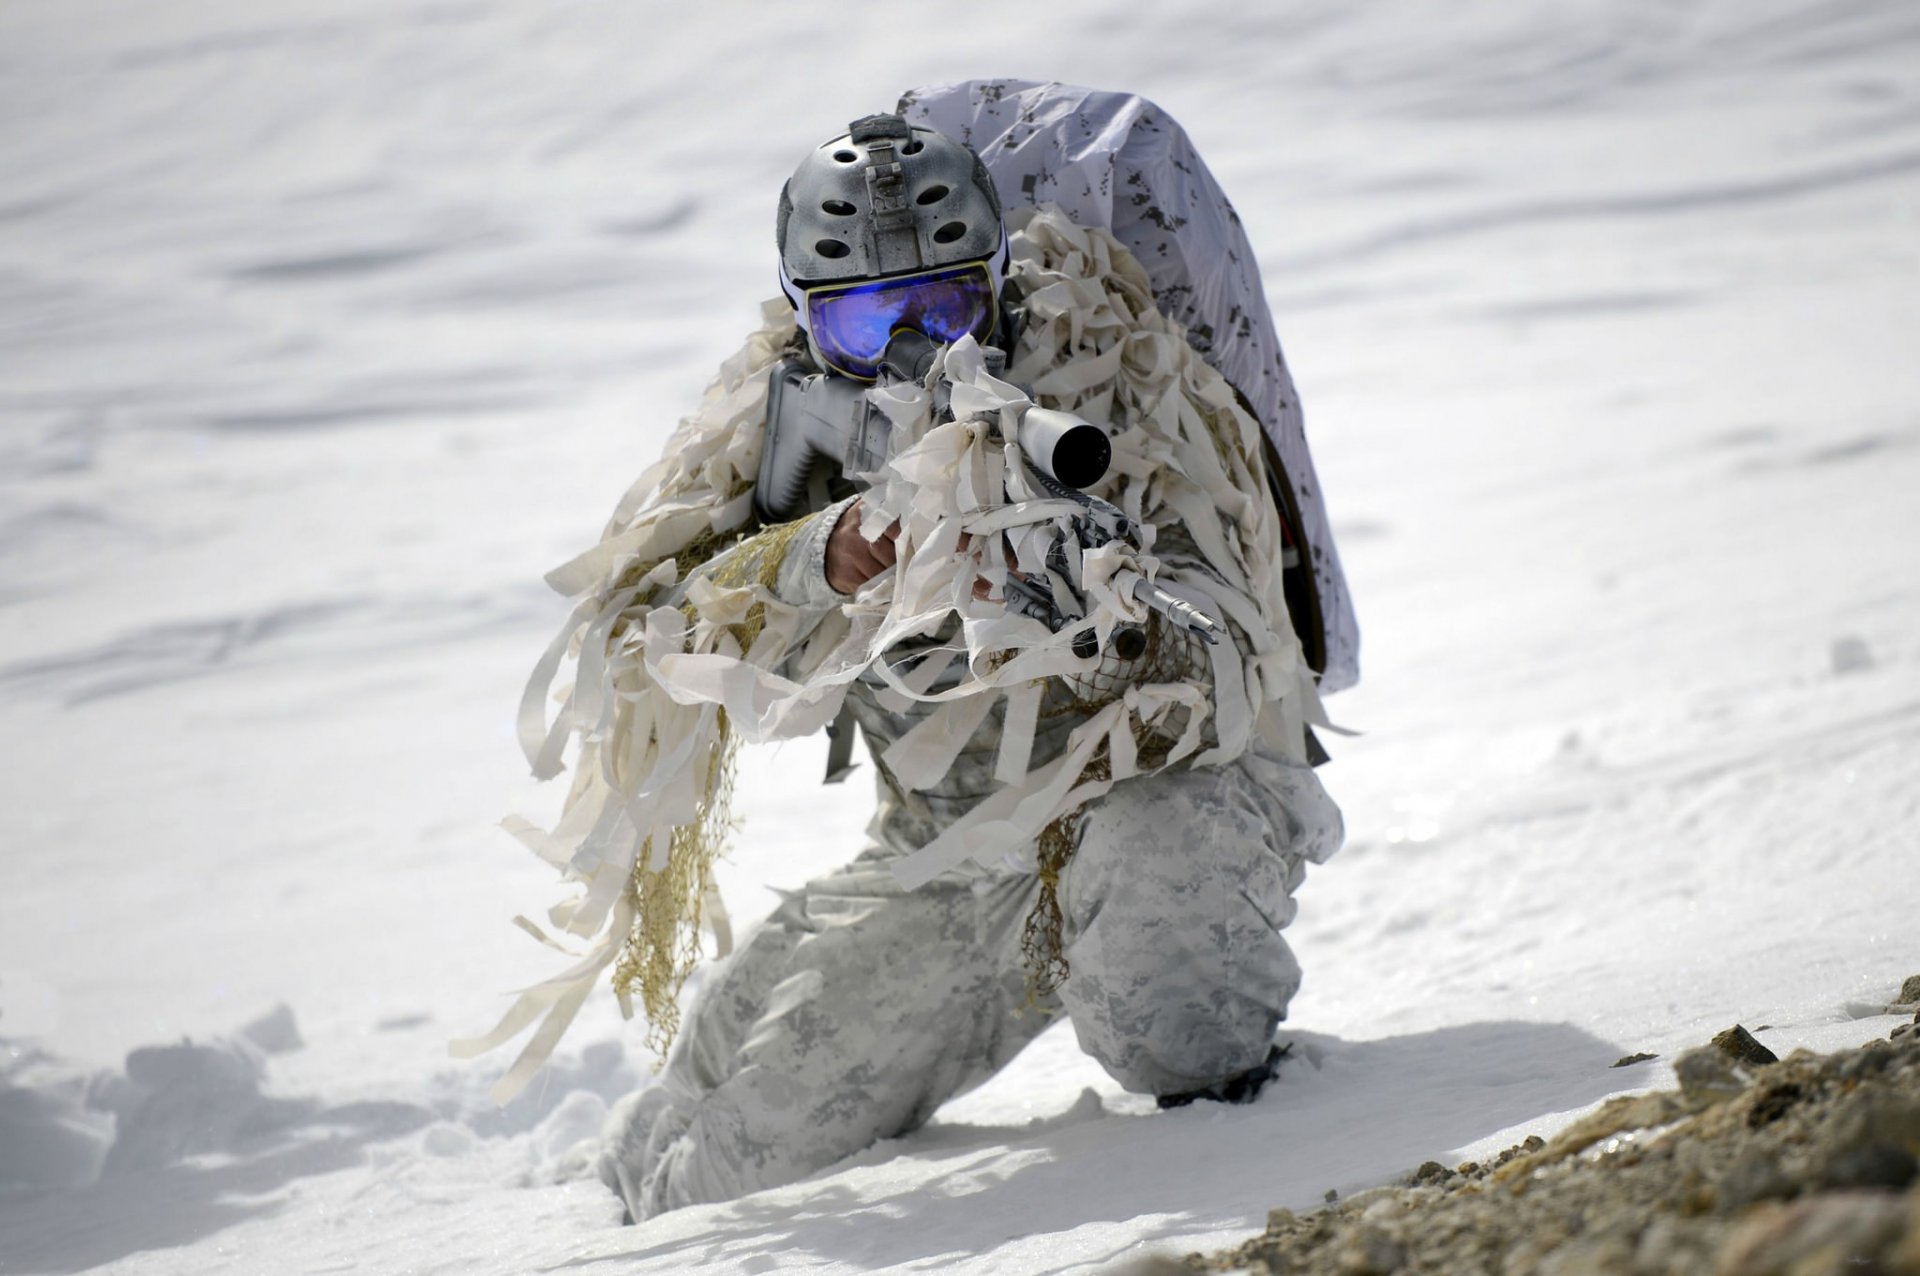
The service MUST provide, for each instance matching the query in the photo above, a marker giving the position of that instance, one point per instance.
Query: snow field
(326, 328)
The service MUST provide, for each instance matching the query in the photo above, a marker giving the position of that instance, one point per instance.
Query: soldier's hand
(852, 559)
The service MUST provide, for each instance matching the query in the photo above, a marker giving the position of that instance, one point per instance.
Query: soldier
(860, 1005)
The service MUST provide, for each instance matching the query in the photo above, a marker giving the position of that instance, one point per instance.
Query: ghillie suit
(1000, 754)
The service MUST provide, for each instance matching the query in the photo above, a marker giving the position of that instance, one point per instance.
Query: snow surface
(326, 327)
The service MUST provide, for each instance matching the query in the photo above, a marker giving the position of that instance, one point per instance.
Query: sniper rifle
(818, 423)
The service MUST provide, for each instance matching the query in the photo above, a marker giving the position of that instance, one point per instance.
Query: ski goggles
(851, 323)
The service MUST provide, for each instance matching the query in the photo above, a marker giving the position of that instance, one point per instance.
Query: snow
(328, 327)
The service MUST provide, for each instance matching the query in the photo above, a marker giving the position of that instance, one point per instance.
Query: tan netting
(1042, 937)
(663, 944)
(755, 561)
(668, 900)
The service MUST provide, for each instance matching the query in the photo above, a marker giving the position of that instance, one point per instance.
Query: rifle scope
(1068, 449)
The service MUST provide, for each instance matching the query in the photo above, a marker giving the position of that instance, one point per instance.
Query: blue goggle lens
(851, 326)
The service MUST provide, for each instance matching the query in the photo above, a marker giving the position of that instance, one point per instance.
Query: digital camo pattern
(857, 1008)
(1115, 160)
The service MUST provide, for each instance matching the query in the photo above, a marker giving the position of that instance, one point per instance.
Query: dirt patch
(1799, 1167)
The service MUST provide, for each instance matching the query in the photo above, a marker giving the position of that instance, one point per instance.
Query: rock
(1874, 1114)
(1738, 1043)
(1905, 1257)
(1390, 1205)
(1869, 1141)
(1364, 1201)
(1868, 1061)
(1605, 1255)
(1754, 1176)
(1910, 990)
(1371, 1252)
(1809, 1166)
(1772, 1103)
(1693, 1158)
(1829, 1232)
(1664, 1247)
(1627, 1061)
(1708, 1075)
(1873, 1164)
(1617, 1115)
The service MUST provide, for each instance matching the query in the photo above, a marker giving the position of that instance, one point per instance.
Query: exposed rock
(1627, 1061)
(1869, 1141)
(1371, 1252)
(1889, 1113)
(1605, 1255)
(1772, 1103)
(1873, 1164)
(1868, 1061)
(1801, 1167)
(1822, 1233)
(1904, 1257)
(1910, 990)
(1740, 1043)
(1753, 1177)
(1709, 1075)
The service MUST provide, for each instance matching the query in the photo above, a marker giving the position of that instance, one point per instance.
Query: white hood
(1117, 161)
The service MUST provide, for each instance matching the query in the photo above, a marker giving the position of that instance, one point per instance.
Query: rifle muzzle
(1068, 449)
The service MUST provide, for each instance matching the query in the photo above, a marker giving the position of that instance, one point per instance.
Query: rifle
(817, 421)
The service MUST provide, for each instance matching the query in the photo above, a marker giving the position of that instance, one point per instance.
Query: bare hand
(852, 559)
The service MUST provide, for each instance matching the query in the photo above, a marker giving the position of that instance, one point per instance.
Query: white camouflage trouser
(858, 1008)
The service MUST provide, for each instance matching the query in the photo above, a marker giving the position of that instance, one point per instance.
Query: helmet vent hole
(913, 147)
(837, 208)
(845, 156)
(931, 195)
(949, 232)
(831, 248)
